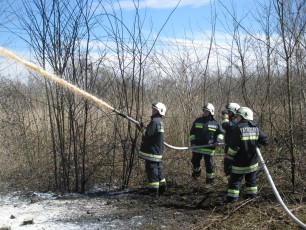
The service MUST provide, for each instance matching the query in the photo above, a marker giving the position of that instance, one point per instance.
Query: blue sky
(191, 19)
(190, 16)
(187, 13)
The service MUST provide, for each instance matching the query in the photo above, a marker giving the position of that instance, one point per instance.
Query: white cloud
(162, 4)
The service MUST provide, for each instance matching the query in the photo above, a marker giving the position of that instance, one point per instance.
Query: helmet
(245, 112)
(210, 108)
(160, 107)
(233, 107)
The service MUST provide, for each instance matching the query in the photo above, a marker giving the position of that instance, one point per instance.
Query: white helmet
(233, 107)
(210, 108)
(245, 112)
(160, 107)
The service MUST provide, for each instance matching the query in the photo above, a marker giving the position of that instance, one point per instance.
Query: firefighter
(152, 149)
(242, 156)
(205, 131)
(228, 123)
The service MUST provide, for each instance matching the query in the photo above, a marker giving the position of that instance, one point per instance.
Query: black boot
(210, 181)
(230, 200)
(250, 196)
(150, 192)
(162, 190)
(195, 174)
(154, 192)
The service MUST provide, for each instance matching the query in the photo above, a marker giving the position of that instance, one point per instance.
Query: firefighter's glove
(225, 116)
(140, 126)
(227, 166)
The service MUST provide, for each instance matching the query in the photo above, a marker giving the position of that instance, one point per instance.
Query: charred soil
(189, 206)
(197, 207)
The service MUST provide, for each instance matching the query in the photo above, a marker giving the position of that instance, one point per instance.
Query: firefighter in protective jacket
(242, 154)
(152, 149)
(205, 131)
(228, 123)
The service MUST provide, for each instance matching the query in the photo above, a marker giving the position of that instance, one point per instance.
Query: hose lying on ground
(279, 199)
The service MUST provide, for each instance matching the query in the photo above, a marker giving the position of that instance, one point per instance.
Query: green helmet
(245, 112)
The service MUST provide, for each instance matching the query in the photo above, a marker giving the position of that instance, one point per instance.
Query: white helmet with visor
(160, 107)
(246, 113)
(210, 108)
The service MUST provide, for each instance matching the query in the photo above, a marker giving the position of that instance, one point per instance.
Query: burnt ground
(197, 207)
(188, 206)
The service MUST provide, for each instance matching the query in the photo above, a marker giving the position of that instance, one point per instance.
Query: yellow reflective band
(233, 191)
(249, 138)
(211, 174)
(251, 188)
(211, 129)
(220, 136)
(160, 130)
(232, 151)
(245, 168)
(162, 181)
(208, 150)
(204, 150)
(150, 155)
(198, 125)
(154, 184)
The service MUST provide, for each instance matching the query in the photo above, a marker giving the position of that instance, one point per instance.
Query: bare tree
(292, 24)
(132, 50)
(56, 38)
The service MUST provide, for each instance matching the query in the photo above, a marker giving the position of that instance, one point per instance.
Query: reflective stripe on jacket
(205, 131)
(152, 146)
(242, 149)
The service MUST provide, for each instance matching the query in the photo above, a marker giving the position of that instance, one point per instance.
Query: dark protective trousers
(226, 168)
(155, 174)
(209, 165)
(234, 184)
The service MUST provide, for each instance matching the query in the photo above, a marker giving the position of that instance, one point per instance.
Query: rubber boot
(210, 181)
(250, 196)
(162, 190)
(195, 174)
(154, 192)
(230, 200)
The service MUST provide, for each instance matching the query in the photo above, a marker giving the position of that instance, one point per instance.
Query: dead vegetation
(187, 204)
(52, 139)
